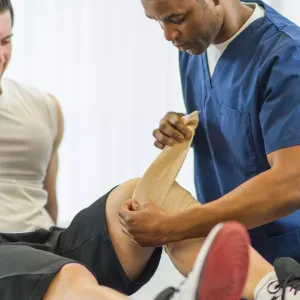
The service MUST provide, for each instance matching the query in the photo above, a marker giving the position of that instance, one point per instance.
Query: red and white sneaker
(221, 268)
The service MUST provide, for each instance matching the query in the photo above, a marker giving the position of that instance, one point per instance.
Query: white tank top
(28, 128)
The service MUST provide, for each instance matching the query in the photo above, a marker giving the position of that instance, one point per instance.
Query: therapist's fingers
(125, 211)
(167, 129)
(162, 137)
(185, 133)
(123, 223)
(179, 131)
(159, 145)
(171, 131)
(127, 233)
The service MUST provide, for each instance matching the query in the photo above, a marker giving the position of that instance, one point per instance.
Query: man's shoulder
(284, 32)
(27, 95)
(280, 47)
(19, 89)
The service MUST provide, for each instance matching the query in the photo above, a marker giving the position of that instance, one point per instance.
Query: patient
(31, 130)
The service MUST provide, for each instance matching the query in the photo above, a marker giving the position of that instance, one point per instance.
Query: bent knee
(68, 279)
(122, 193)
(130, 185)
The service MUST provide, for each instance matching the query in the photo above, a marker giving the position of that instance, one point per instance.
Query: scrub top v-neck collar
(228, 55)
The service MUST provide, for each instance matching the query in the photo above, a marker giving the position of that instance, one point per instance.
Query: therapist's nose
(171, 34)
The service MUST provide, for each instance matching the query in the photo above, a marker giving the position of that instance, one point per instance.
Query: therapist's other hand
(144, 224)
(171, 130)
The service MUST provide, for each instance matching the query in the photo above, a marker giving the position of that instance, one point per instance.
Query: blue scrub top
(250, 108)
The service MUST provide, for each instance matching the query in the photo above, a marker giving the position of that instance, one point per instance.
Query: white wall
(115, 77)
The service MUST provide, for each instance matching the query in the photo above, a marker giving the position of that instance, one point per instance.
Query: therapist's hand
(147, 225)
(171, 131)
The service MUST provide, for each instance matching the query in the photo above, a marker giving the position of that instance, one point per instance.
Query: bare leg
(75, 282)
(132, 257)
(183, 254)
(259, 268)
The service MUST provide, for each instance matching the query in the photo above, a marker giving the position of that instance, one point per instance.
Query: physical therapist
(240, 67)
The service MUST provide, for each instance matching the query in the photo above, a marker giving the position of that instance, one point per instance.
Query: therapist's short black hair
(5, 5)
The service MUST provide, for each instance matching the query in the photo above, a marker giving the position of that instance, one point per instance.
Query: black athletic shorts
(30, 261)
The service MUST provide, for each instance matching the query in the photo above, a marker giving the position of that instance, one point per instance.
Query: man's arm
(51, 176)
(265, 198)
(276, 192)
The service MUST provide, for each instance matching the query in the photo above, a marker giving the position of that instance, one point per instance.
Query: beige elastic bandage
(158, 183)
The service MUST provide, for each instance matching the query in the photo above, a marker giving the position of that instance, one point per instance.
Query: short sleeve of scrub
(279, 89)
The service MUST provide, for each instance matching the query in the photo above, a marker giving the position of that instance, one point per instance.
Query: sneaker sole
(224, 258)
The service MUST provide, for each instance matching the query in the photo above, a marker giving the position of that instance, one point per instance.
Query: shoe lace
(292, 281)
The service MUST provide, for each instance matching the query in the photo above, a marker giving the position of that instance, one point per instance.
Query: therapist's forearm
(265, 198)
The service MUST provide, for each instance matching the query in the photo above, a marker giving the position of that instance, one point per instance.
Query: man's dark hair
(5, 5)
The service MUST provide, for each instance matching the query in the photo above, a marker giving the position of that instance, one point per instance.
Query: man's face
(5, 41)
(191, 25)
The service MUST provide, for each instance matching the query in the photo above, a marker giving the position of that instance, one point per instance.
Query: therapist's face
(191, 25)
